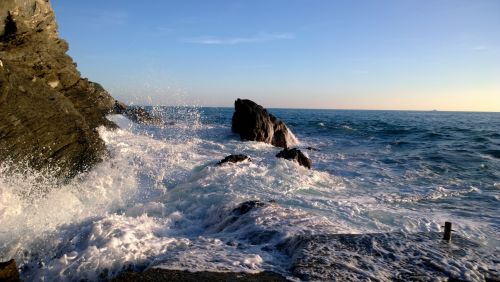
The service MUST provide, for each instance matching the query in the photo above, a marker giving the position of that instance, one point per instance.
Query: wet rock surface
(137, 114)
(158, 274)
(295, 155)
(48, 112)
(242, 212)
(388, 257)
(247, 206)
(234, 159)
(9, 272)
(254, 123)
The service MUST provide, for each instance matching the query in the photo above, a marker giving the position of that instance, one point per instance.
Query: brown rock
(138, 114)
(9, 272)
(48, 113)
(158, 274)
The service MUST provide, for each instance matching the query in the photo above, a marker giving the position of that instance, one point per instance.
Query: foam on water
(160, 201)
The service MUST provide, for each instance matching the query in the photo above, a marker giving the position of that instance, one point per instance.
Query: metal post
(447, 231)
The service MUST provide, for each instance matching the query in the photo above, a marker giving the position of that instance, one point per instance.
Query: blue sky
(350, 54)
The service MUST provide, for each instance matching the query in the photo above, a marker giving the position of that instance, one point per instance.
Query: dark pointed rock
(254, 123)
(233, 159)
(295, 155)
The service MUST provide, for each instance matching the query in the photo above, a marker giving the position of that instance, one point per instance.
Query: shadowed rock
(137, 114)
(8, 271)
(295, 155)
(233, 159)
(254, 123)
(48, 112)
(157, 274)
(247, 206)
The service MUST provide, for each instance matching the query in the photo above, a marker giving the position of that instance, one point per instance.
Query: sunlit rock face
(48, 112)
(254, 123)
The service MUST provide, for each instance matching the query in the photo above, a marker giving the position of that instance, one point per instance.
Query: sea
(382, 185)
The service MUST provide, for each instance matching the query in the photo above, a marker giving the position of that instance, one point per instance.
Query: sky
(338, 54)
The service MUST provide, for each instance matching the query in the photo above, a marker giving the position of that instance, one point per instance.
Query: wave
(160, 201)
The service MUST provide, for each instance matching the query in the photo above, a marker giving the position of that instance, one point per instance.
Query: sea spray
(161, 201)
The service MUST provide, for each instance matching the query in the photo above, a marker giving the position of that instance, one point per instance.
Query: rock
(48, 113)
(233, 159)
(295, 155)
(313, 149)
(137, 114)
(393, 256)
(247, 206)
(9, 272)
(243, 211)
(254, 123)
(159, 274)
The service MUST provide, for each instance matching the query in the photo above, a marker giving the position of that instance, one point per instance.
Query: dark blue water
(371, 208)
(427, 160)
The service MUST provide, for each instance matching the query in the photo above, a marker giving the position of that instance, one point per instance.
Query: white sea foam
(160, 201)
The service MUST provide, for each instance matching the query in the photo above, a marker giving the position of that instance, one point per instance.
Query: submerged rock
(228, 217)
(48, 112)
(247, 206)
(295, 155)
(9, 272)
(254, 123)
(393, 256)
(233, 159)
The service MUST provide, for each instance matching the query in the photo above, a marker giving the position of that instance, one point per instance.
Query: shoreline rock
(137, 114)
(9, 272)
(254, 123)
(340, 257)
(49, 113)
(159, 274)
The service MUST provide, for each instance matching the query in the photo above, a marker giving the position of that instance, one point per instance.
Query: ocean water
(381, 186)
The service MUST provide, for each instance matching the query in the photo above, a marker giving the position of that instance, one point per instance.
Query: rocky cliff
(48, 112)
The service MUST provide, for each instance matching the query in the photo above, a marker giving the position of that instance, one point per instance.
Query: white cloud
(211, 40)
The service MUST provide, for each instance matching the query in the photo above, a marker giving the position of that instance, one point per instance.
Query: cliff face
(48, 113)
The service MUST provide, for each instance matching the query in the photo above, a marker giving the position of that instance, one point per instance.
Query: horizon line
(335, 109)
